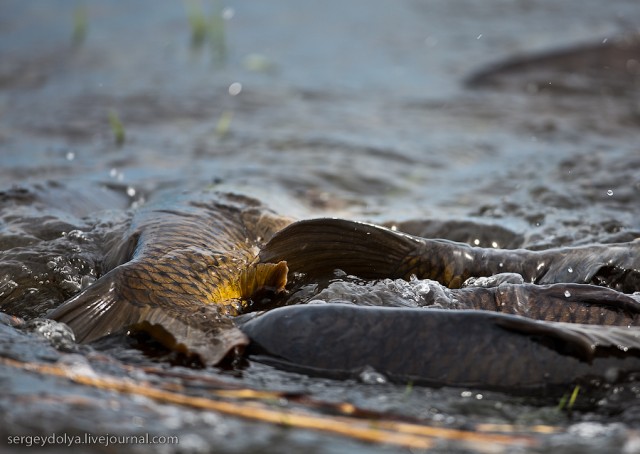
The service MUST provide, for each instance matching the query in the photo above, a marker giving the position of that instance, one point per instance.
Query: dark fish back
(439, 347)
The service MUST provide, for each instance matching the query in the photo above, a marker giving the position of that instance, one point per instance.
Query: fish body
(183, 267)
(441, 347)
(572, 303)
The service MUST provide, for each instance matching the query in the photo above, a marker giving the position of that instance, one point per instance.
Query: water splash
(370, 376)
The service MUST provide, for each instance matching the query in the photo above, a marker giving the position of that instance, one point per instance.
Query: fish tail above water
(319, 246)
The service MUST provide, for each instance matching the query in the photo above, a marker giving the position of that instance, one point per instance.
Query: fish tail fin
(579, 340)
(99, 310)
(317, 247)
(116, 302)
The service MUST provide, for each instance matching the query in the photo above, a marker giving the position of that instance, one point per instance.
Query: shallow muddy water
(512, 123)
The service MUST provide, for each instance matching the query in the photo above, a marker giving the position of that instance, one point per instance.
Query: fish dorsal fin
(319, 246)
(251, 281)
(582, 341)
(261, 277)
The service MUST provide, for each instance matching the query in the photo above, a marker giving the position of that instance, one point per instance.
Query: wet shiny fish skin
(319, 246)
(572, 303)
(537, 322)
(425, 346)
(181, 270)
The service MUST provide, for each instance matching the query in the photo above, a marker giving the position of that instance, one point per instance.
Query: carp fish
(441, 347)
(183, 268)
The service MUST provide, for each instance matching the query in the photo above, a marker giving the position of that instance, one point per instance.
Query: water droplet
(570, 270)
(567, 293)
(131, 191)
(479, 396)
(466, 394)
(71, 156)
(228, 13)
(113, 172)
(609, 192)
(476, 241)
(494, 244)
(235, 88)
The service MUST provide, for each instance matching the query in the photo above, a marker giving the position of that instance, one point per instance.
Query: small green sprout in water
(568, 400)
(198, 23)
(408, 390)
(79, 25)
(224, 124)
(116, 128)
(212, 28)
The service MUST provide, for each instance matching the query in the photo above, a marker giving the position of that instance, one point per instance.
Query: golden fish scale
(186, 256)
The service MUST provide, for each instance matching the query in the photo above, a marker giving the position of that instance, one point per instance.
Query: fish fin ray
(206, 334)
(263, 276)
(580, 340)
(101, 310)
(319, 246)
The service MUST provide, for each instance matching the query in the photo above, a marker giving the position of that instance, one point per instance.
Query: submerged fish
(184, 266)
(441, 347)
(574, 303)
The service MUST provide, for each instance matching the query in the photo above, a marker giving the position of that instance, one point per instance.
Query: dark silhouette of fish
(574, 303)
(591, 69)
(182, 269)
(441, 347)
